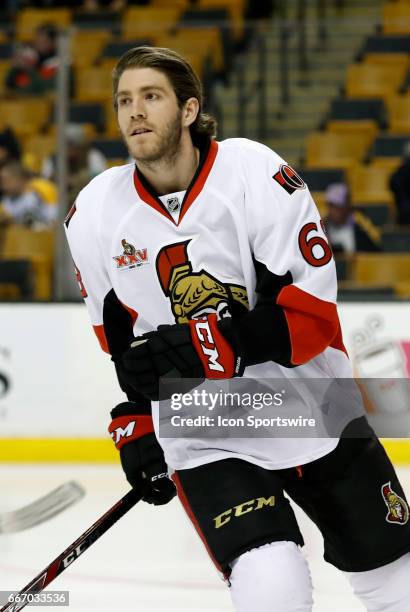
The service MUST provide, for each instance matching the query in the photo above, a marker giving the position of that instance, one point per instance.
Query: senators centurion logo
(398, 510)
(289, 179)
(131, 257)
(195, 295)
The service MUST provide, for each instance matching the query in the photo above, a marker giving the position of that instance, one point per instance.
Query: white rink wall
(56, 382)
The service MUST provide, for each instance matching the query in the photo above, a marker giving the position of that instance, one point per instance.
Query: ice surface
(151, 560)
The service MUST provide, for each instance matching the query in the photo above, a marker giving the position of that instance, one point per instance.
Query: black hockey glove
(142, 457)
(196, 349)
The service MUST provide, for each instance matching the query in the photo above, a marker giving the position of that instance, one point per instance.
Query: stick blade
(42, 509)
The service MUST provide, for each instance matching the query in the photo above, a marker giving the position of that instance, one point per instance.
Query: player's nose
(138, 109)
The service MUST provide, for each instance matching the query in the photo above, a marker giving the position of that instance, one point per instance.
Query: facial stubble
(168, 147)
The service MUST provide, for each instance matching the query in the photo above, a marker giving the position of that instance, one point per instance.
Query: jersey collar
(148, 194)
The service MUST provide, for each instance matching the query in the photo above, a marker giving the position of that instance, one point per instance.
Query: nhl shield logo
(173, 204)
(398, 509)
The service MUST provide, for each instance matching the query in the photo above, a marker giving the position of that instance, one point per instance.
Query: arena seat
(88, 113)
(29, 19)
(396, 240)
(396, 18)
(86, 47)
(388, 146)
(181, 4)
(37, 247)
(347, 109)
(330, 150)
(386, 44)
(26, 116)
(377, 268)
(399, 113)
(147, 22)
(388, 59)
(373, 80)
(369, 184)
(368, 128)
(402, 289)
(205, 41)
(93, 84)
(99, 20)
(114, 49)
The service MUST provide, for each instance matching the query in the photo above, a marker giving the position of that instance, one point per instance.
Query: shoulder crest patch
(289, 179)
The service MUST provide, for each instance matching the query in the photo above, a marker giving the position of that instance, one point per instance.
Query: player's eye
(124, 101)
(151, 96)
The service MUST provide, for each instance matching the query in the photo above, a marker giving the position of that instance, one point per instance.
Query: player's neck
(174, 173)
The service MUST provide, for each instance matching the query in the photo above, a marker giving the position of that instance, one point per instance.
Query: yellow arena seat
(29, 19)
(25, 115)
(181, 4)
(147, 22)
(373, 80)
(399, 113)
(86, 47)
(368, 128)
(36, 246)
(370, 185)
(93, 84)
(388, 59)
(205, 42)
(381, 268)
(330, 150)
(390, 163)
(396, 18)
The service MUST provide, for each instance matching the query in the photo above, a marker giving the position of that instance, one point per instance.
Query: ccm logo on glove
(127, 428)
(214, 351)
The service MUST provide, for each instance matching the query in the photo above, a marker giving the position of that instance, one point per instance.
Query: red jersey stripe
(313, 324)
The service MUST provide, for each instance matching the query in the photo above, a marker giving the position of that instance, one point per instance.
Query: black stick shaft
(71, 554)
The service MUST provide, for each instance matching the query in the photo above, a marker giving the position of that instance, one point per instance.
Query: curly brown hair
(180, 73)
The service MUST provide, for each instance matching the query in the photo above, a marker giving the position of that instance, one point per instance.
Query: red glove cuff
(125, 429)
(214, 351)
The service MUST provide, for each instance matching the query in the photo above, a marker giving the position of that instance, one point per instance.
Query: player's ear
(190, 111)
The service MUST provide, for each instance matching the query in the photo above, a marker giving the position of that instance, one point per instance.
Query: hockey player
(209, 260)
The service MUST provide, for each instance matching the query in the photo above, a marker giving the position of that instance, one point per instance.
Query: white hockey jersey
(170, 259)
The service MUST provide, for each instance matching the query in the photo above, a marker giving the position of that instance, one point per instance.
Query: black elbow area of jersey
(260, 335)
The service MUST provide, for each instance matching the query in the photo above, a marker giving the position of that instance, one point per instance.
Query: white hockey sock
(272, 578)
(386, 588)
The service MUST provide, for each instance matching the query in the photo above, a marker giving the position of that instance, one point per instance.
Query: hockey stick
(42, 509)
(70, 554)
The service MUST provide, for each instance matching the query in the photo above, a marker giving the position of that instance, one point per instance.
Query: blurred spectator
(9, 146)
(23, 76)
(45, 47)
(23, 202)
(84, 162)
(348, 230)
(400, 186)
(9, 149)
(34, 67)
